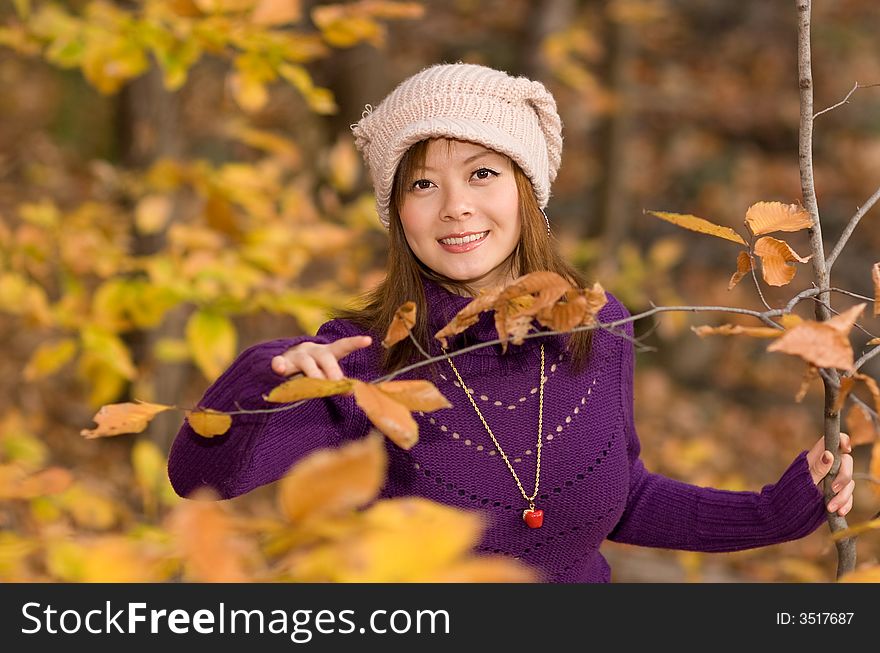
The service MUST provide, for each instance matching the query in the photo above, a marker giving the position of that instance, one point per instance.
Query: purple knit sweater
(593, 483)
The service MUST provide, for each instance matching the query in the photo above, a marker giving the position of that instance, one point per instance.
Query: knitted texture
(593, 483)
(511, 115)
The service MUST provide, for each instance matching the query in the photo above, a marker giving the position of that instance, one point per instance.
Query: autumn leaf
(875, 275)
(16, 483)
(775, 258)
(736, 330)
(276, 12)
(332, 482)
(517, 304)
(207, 542)
(403, 321)
(152, 213)
(415, 395)
(743, 267)
(128, 417)
(767, 217)
(208, 423)
(860, 426)
(564, 316)
(48, 358)
(823, 344)
(212, 339)
(390, 416)
(700, 225)
(468, 315)
(306, 387)
(810, 375)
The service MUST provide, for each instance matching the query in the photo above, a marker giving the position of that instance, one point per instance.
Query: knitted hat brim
(461, 129)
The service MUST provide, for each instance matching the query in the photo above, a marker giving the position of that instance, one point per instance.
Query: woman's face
(464, 191)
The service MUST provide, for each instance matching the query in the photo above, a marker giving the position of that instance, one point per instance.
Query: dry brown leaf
(875, 276)
(16, 483)
(469, 315)
(860, 426)
(401, 325)
(817, 343)
(700, 225)
(810, 374)
(211, 549)
(516, 305)
(847, 383)
(128, 417)
(873, 388)
(564, 316)
(389, 416)
(306, 387)
(208, 423)
(767, 217)
(845, 321)
(775, 258)
(596, 300)
(415, 395)
(743, 267)
(737, 330)
(334, 482)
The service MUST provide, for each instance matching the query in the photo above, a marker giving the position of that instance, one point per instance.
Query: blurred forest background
(178, 181)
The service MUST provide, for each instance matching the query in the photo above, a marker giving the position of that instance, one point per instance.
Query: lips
(464, 247)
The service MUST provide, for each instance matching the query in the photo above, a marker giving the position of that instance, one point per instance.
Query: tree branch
(850, 227)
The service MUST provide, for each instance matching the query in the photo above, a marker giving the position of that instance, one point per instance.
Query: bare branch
(844, 100)
(864, 358)
(850, 227)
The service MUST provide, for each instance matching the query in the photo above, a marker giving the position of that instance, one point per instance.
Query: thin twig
(864, 358)
(844, 100)
(850, 227)
(758, 287)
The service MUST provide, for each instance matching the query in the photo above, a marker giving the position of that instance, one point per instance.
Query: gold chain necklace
(533, 518)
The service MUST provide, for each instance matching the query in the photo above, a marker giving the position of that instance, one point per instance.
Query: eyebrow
(470, 159)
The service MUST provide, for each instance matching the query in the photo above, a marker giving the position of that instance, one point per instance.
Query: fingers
(843, 500)
(344, 346)
(329, 367)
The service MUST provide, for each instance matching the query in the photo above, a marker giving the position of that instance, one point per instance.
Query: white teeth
(462, 241)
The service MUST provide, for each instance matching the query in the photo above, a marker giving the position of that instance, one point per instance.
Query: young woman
(541, 438)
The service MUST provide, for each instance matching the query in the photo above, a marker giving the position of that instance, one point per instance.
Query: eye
(484, 173)
(421, 184)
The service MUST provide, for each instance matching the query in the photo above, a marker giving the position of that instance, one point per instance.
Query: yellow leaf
(332, 482)
(320, 100)
(152, 213)
(390, 416)
(736, 329)
(14, 551)
(115, 419)
(212, 339)
(276, 12)
(148, 464)
(171, 350)
(88, 508)
(743, 267)
(109, 349)
(18, 445)
(700, 225)
(341, 27)
(775, 258)
(249, 91)
(104, 382)
(49, 358)
(208, 423)
(767, 217)
(345, 165)
(401, 324)
(305, 387)
(415, 395)
(117, 559)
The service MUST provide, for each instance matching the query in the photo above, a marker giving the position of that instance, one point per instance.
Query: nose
(457, 203)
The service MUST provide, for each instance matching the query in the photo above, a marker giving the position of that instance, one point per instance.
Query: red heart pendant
(533, 518)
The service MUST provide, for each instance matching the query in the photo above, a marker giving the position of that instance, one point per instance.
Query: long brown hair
(535, 251)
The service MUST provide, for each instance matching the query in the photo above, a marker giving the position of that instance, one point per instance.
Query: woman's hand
(820, 462)
(318, 361)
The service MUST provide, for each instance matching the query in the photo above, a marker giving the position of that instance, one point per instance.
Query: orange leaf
(767, 217)
(415, 395)
(736, 330)
(211, 549)
(565, 316)
(824, 344)
(305, 387)
(847, 383)
(860, 426)
(468, 315)
(16, 483)
(208, 423)
(403, 321)
(127, 417)
(516, 304)
(390, 416)
(700, 225)
(775, 258)
(811, 373)
(743, 267)
(334, 482)
(875, 275)
(276, 12)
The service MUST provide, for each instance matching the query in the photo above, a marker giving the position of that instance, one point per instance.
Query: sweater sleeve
(259, 448)
(666, 513)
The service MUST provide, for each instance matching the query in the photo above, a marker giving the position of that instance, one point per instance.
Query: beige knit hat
(511, 115)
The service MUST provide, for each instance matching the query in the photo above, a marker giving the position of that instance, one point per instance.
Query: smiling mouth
(464, 241)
